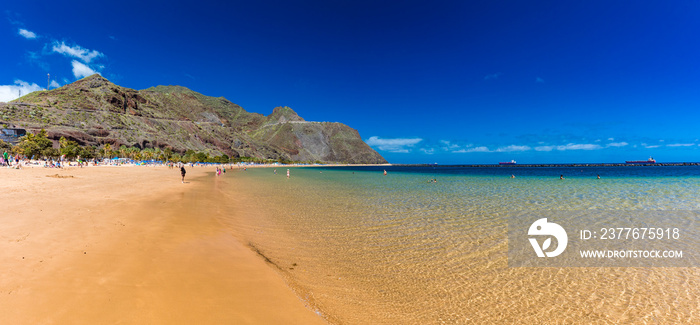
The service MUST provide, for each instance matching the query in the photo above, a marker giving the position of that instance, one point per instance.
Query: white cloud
(428, 151)
(475, 149)
(544, 148)
(617, 144)
(54, 84)
(479, 149)
(447, 145)
(513, 148)
(611, 139)
(398, 145)
(680, 144)
(541, 148)
(579, 146)
(76, 51)
(27, 34)
(11, 92)
(576, 146)
(81, 70)
(83, 57)
(650, 146)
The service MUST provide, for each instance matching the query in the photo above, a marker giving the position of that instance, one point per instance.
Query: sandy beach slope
(129, 245)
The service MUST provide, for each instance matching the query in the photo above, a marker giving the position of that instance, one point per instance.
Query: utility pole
(48, 81)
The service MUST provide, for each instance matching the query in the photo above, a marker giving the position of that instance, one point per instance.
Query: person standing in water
(183, 172)
(287, 172)
(385, 172)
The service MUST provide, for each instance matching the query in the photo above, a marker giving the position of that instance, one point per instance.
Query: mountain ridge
(94, 111)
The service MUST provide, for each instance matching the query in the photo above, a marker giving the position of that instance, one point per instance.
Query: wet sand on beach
(129, 245)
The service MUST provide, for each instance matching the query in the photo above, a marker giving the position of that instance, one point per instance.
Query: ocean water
(359, 247)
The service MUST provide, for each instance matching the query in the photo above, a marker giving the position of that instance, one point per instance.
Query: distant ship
(648, 161)
(512, 162)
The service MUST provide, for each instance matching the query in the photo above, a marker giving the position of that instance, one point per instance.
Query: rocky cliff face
(94, 111)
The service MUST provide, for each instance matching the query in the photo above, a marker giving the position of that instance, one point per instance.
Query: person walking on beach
(183, 172)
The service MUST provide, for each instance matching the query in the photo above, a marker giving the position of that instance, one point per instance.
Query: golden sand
(129, 245)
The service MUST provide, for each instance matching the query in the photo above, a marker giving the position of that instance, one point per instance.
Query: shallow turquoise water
(361, 247)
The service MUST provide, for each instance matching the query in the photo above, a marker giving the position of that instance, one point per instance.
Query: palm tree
(107, 150)
(147, 154)
(157, 154)
(167, 154)
(131, 152)
(123, 151)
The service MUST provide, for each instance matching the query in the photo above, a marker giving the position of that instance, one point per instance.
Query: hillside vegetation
(95, 112)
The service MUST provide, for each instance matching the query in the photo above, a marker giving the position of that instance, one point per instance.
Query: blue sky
(422, 81)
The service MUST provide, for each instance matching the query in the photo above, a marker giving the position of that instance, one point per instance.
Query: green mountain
(94, 111)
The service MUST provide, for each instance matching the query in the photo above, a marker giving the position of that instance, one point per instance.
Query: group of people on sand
(7, 160)
(220, 170)
(17, 162)
(62, 162)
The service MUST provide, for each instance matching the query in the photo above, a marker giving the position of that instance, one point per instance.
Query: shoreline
(134, 245)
